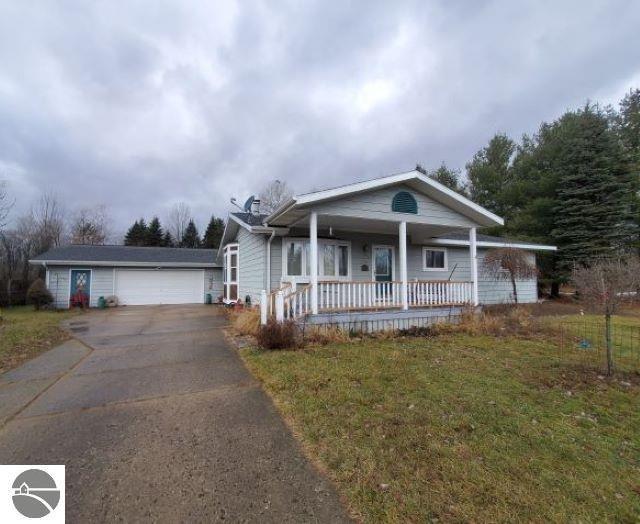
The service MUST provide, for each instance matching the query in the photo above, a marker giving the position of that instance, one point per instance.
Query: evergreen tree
(213, 233)
(594, 208)
(191, 238)
(154, 235)
(489, 173)
(167, 239)
(448, 177)
(627, 123)
(136, 234)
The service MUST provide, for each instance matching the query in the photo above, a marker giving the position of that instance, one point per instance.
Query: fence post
(263, 307)
(279, 306)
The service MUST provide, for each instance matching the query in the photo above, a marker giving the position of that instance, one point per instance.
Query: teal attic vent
(403, 202)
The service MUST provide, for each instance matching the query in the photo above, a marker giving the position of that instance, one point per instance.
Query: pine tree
(489, 173)
(594, 212)
(167, 239)
(627, 123)
(213, 233)
(154, 235)
(447, 177)
(191, 238)
(136, 234)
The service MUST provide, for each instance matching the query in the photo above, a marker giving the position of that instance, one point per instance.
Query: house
(401, 247)
(136, 275)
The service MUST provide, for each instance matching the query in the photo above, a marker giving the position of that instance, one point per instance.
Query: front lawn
(460, 428)
(24, 333)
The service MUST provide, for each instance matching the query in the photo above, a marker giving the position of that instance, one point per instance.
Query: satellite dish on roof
(249, 203)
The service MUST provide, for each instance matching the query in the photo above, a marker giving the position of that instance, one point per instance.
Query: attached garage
(159, 286)
(135, 275)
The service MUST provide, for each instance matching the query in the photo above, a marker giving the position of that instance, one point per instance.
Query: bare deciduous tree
(508, 263)
(90, 226)
(48, 215)
(273, 195)
(179, 218)
(11, 256)
(607, 284)
(5, 204)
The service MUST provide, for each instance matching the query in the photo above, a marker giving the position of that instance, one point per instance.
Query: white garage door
(161, 286)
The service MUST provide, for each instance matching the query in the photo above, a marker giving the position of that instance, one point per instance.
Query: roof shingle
(130, 254)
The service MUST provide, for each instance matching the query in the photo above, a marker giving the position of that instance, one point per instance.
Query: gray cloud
(141, 105)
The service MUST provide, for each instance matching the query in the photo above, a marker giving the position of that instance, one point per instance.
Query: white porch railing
(297, 304)
(345, 296)
(439, 293)
(290, 303)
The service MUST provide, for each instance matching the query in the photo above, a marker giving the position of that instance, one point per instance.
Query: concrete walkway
(157, 419)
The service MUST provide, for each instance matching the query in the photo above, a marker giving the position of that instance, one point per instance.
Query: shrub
(38, 294)
(246, 322)
(275, 335)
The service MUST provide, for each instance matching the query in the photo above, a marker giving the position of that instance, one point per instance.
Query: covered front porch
(334, 265)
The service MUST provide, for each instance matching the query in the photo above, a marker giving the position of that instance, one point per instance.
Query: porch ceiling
(417, 232)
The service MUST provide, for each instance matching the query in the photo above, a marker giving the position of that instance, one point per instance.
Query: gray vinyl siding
(376, 205)
(102, 283)
(213, 283)
(276, 262)
(251, 265)
(490, 289)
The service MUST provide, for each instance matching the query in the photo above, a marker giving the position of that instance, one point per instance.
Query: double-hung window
(333, 259)
(434, 259)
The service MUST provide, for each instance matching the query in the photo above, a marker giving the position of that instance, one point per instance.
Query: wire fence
(584, 341)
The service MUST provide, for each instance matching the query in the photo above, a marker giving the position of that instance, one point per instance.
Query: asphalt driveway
(156, 418)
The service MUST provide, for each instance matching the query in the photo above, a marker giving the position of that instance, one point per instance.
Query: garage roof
(128, 256)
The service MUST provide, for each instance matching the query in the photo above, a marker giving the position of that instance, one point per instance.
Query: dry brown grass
(511, 321)
(246, 321)
(321, 336)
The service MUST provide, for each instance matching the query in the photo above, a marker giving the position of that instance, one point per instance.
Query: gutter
(486, 243)
(112, 263)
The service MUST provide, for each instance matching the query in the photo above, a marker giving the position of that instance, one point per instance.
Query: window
(328, 260)
(230, 273)
(294, 259)
(434, 259)
(343, 261)
(333, 259)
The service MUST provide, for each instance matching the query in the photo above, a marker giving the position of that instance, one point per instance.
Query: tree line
(153, 234)
(44, 226)
(574, 184)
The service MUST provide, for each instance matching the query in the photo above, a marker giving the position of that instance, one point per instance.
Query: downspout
(273, 234)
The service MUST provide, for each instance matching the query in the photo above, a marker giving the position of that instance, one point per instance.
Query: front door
(383, 270)
(80, 288)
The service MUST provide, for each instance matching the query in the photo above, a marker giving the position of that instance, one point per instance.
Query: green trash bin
(209, 299)
(102, 303)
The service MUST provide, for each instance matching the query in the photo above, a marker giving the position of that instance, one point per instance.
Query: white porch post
(263, 307)
(279, 306)
(473, 253)
(402, 233)
(313, 240)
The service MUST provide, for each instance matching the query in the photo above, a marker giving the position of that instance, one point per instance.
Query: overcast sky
(139, 105)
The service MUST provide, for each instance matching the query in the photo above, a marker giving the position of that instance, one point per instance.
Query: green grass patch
(460, 428)
(584, 339)
(25, 333)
